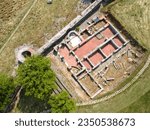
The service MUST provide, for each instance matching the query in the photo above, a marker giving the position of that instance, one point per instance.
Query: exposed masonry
(83, 70)
(77, 76)
(70, 26)
(118, 91)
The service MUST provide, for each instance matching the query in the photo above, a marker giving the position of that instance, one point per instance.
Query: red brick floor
(87, 64)
(86, 48)
(107, 32)
(118, 41)
(96, 58)
(69, 58)
(89, 46)
(108, 49)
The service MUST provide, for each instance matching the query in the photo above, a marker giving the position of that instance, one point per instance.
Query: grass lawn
(46, 20)
(43, 20)
(125, 99)
(141, 105)
(11, 13)
(134, 15)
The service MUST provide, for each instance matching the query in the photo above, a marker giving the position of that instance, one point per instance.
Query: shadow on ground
(29, 104)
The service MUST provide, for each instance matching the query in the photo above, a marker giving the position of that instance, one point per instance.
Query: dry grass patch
(134, 15)
(11, 12)
(43, 21)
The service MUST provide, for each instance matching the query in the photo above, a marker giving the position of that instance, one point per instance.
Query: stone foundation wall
(78, 20)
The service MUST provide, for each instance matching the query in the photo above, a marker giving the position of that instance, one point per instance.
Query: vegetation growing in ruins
(77, 29)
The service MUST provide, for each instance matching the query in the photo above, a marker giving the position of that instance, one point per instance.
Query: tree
(61, 103)
(6, 90)
(36, 77)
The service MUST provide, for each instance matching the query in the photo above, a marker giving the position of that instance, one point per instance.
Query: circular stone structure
(23, 52)
(26, 54)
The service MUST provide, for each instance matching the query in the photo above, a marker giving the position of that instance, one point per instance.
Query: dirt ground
(119, 70)
(89, 84)
(125, 62)
(11, 12)
(134, 15)
(61, 71)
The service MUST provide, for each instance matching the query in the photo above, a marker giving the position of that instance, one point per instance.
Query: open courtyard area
(95, 59)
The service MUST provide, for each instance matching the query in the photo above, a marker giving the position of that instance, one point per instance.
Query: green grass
(124, 99)
(141, 105)
(127, 80)
(134, 15)
(43, 19)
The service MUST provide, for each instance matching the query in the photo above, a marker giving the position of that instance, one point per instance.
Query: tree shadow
(30, 104)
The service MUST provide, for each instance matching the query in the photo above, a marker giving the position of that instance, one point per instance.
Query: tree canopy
(61, 103)
(36, 77)
(38, 81)
(6, 90)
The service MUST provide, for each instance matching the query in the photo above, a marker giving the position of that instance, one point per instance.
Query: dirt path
(17, 100)
(26, 14)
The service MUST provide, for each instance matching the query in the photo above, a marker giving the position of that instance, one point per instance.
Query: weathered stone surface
(71, 25)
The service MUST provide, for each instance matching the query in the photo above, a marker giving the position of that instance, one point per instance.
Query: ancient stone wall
(78, 20)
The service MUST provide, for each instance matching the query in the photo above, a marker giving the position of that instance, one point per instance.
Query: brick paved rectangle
(96, 58)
